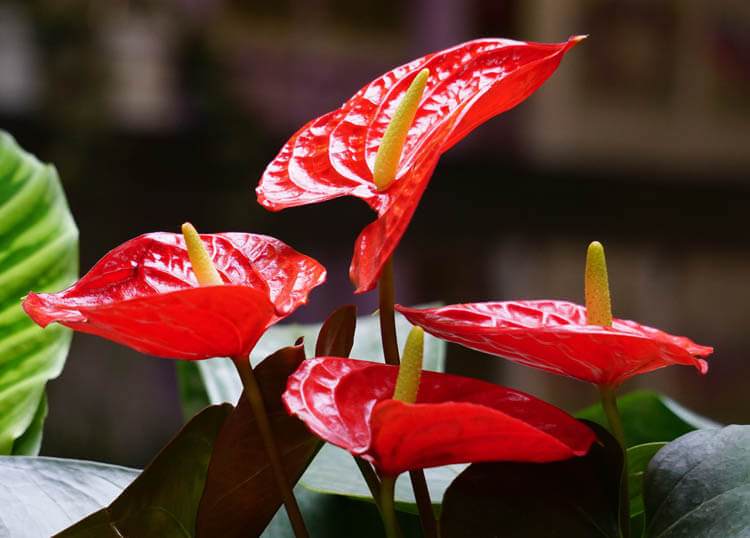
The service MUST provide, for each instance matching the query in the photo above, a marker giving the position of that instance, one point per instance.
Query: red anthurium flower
(144, 294)
(554, 336)
(334, 154)
(456, 419)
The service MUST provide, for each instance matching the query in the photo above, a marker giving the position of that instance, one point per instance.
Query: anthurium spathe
(455, 419)
(144, 294)
(554, 336)
(335, 154)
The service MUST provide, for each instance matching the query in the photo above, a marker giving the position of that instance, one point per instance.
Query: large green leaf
(649, 417)
(577, 497)
(699, 486)
(163, 500)
(221, 383)
(31, 441)
(39, 252)
(42, 496)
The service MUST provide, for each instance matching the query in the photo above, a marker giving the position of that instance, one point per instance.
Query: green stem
(373, 483)
(255, 398)
(609, 404)
(388, 508)
(388, 315)
(390, 352)
(424, 504)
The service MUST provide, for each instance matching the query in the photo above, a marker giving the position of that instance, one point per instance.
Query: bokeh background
(157, 112)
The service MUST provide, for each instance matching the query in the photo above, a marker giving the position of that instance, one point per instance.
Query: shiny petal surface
(334, 154)
(348, 403)
(553, 336)
(144, 294)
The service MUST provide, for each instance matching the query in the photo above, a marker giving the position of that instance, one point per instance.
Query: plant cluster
(482, 460)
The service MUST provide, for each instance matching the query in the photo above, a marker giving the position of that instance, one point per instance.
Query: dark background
(159, 112)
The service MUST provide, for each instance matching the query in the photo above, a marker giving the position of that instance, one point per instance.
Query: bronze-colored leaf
(336, 336)
(241, 495)
(164, 498)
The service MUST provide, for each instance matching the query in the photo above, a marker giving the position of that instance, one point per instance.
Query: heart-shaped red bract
(554, 336)
(455, 420)
(144, 294)
(334, 154)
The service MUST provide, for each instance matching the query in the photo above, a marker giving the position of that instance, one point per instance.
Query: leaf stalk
(609, 404)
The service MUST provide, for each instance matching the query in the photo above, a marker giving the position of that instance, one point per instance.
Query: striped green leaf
(39, 252)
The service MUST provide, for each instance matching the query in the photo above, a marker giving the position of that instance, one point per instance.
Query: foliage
(500, 461)
(38, 251)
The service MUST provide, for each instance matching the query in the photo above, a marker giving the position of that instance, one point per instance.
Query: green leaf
(193, 396)
(333, 516)
(39, 252)
(241, 496)
(222, 384)
(31, 440)
(649, 417)
(163, 500)
(638, 459)
(334, 471)
(41, 496)
(577, 497)
(699, 485)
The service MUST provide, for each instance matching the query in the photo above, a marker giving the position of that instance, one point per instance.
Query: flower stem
(255, 398)
(388, 508)
(388, 315)
(424, 504)
(371, 478)
(609, 404)
(390, 352)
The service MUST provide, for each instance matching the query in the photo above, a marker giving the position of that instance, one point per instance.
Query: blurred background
(157, 112)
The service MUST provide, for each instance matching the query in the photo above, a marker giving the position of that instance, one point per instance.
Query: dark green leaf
(39, 252)
(649, 417)
(336, 336)
(333, 516)
(193, 394)
(638, 459)
(241, 495)
(163, 500)
(42, 496)
(699, 485)
(638, 525)
(576, 497)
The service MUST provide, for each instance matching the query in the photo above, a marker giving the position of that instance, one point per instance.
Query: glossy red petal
(193, 323)
(334, 155)
(456, 419)
(379, 239)
(553, 336)
(144, 294)
(288, 274)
